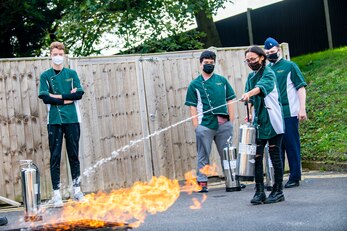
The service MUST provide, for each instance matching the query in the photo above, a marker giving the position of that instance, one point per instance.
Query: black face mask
(255, 66)
(272, 57)
(208, 68)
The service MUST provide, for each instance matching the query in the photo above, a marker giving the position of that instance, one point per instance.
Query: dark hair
(258, 51)
(207, 55)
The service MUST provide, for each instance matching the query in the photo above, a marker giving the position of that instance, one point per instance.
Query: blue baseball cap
(270, 43)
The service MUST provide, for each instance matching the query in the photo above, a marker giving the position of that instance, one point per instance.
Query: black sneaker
(203, 185)
(292, 184)
(3, 221)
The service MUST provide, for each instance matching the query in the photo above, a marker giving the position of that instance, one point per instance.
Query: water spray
(115, 153)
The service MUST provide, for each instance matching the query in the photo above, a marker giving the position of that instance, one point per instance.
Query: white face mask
(58, 60)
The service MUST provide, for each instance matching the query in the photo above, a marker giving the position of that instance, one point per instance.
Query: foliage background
(324, 135)
(87, 27)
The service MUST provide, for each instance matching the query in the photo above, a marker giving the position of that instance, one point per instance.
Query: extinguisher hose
(38, 183)
(227, 156)
(228, 159)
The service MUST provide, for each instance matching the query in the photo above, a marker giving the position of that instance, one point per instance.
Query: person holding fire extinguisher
(262, 94)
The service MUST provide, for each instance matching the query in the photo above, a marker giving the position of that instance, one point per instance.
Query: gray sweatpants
(204, 138)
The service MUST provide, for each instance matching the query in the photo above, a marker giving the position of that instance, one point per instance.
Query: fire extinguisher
(229, 167)
(247, 150)
(30, 190)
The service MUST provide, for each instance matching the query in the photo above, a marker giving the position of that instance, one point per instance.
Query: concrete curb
(324, 166)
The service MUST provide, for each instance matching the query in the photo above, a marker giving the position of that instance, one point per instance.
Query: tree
(203, 12)
(29, 26)
(26, 26)
(205, 24)
(132, 22)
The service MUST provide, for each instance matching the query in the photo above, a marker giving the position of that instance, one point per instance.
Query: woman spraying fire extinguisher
(262, 94)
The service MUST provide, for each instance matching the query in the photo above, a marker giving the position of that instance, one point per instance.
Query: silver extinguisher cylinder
(30, 190)
(229, 167)
(246, 153)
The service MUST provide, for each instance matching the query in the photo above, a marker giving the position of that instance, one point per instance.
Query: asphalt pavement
(319, 203)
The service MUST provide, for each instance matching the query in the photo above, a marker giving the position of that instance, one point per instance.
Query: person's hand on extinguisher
(246, 98)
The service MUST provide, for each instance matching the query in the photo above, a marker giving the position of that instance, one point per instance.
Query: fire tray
(76, 226)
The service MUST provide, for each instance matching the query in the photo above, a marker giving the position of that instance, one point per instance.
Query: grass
(324, 135)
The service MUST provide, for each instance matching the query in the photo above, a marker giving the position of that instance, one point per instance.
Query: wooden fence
(129, 104)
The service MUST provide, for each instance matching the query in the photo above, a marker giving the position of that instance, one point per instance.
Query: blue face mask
(272, 57)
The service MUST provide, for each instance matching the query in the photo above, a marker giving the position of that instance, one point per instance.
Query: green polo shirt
(209, 94)
(59, 84)
(268, 115)
(290, 80)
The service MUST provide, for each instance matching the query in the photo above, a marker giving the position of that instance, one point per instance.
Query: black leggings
(275, 155)
(55, 139)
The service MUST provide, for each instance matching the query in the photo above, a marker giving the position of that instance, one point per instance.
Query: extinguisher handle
(246, 103)
(229, 140)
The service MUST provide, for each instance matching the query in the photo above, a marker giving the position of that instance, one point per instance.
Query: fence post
(249, 23)
(327, 20)
(144, 121)
(285, 51)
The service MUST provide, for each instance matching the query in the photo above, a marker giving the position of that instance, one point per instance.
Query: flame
(196, 203)
(123, 205)
(209, 170)
(191, 185)
(131, 205)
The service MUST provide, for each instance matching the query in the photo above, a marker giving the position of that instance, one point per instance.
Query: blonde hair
(58, 45)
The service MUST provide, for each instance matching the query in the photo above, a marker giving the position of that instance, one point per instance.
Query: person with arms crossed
(60, 89)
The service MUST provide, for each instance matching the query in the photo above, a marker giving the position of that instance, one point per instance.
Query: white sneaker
(56, 201)
(78, 196)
